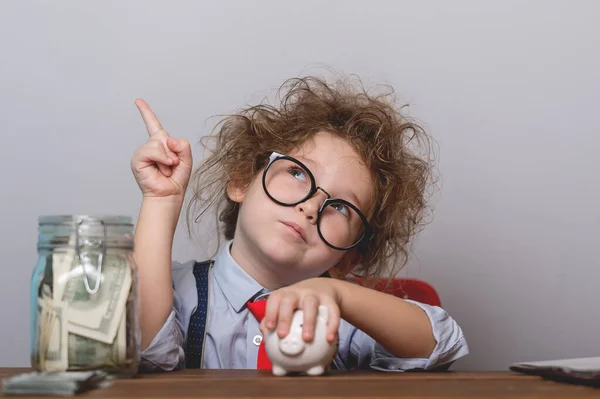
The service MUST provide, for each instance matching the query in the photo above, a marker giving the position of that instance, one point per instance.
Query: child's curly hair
(396, 151)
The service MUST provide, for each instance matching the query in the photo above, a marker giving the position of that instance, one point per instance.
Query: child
(322, 186)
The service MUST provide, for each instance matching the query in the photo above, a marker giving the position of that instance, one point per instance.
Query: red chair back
(407, 288)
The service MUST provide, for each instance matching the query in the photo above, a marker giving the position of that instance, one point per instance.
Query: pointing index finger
(152, 123)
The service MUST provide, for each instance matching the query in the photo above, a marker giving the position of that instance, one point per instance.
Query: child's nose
(310, 207)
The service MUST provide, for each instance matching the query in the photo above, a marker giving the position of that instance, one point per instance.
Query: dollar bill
(88, 352)
(121, 342)
(62, 264)
(54, 383)
(52, 335)
(98, 315)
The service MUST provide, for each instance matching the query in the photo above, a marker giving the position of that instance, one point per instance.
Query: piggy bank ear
(323, 313)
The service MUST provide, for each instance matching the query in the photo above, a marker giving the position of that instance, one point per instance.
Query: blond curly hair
(395, 149)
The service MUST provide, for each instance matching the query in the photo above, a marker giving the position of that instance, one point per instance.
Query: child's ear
(235, 192)
(348, 262)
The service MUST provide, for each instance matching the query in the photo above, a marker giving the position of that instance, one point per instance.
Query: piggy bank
(292, 355)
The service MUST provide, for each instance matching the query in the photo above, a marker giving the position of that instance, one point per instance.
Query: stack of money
(55, 384)
(79, 327)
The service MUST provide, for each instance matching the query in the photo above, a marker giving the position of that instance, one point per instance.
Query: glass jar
(84, 306)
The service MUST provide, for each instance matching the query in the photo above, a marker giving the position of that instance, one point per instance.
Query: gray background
(509, 89)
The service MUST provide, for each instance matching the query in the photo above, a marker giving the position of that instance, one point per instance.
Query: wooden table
(260, 384)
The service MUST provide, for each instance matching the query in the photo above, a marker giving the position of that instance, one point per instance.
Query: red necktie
(258, 311)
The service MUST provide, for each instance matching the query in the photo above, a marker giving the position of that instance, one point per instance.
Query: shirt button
(257, 340)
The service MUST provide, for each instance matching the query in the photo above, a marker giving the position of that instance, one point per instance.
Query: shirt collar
(237, 285)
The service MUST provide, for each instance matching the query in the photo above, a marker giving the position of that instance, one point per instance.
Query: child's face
(263, 233)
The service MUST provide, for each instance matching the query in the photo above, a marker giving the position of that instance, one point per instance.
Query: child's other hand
(163, 165)
(306, 295)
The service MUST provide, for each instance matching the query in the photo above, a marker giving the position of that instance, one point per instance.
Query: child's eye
(297, 173)
(341, 208)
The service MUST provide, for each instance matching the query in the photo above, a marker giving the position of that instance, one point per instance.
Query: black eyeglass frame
(367, 234)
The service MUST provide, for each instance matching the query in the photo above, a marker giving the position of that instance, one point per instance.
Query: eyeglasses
(288, 182)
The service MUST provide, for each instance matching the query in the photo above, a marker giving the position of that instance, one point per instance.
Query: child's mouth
(295, 229)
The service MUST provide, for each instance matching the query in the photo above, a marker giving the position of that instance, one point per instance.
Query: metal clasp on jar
(83, 259)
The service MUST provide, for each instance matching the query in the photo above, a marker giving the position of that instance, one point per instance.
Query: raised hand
(163, 165)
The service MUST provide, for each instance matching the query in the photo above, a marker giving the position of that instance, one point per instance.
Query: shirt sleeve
(357, 349)
(166, 351)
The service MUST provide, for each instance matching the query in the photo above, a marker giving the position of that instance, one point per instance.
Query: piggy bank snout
(291, 345)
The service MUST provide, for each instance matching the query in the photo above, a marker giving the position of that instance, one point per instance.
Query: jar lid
(110, 231)
(80, 219)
